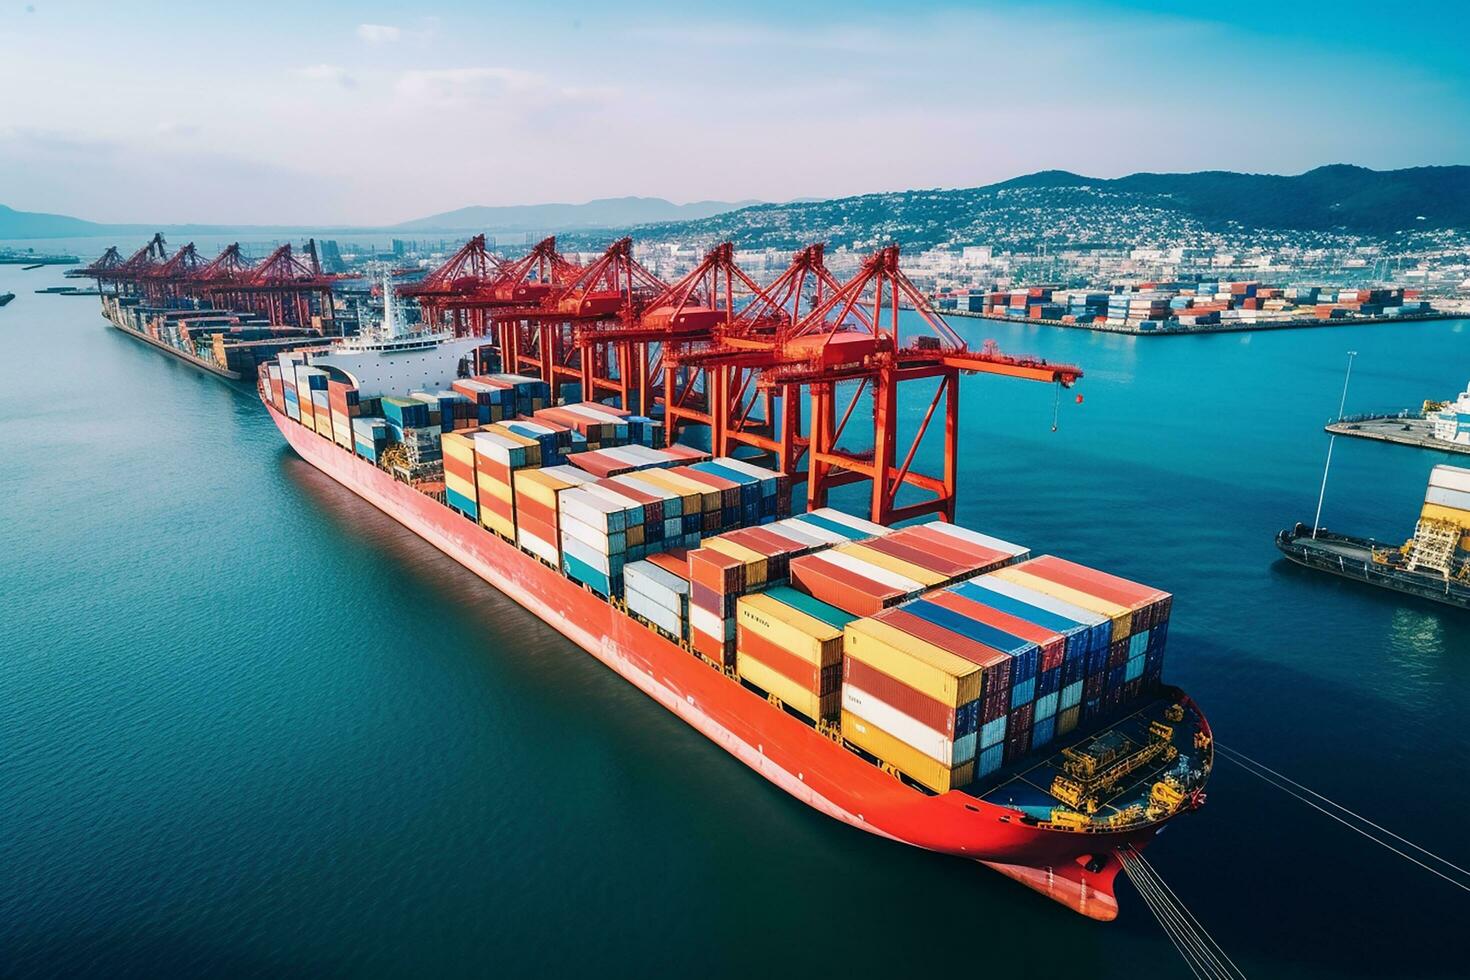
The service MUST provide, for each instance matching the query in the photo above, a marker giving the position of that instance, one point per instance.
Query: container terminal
(929, 683)
(1196, 306)
(1433, 564)
(225, 316)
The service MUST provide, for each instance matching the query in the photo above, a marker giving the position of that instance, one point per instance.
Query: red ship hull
(814, 769)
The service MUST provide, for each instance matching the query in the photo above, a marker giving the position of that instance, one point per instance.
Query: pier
(1405, 428)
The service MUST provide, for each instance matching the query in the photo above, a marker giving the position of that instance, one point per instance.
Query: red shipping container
(681, 451)
(713, 648)
(927, 559)
(994, 704)
(839, 587)
(783, 662)
(538, 528)
(536, 510)
(976, 557)
(600, 464)
(1091, 581)
(720, 573)
(1093, 685)
(1017, 744)
(896, 694)
(719, 603)
(459, 468)
(674, 561)
(1020, 718)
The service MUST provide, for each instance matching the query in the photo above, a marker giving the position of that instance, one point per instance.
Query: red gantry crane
(625, 357)
(855, 336)
(446, 295)
(539, 337)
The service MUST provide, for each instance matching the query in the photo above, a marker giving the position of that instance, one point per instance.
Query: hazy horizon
(368, 115)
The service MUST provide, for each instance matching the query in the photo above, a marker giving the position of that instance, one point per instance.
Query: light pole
(1332, 441)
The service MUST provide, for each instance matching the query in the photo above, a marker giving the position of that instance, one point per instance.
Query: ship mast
(1332, 441)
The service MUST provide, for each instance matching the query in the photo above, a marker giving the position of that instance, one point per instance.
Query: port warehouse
(949, 655)
(1162, 306)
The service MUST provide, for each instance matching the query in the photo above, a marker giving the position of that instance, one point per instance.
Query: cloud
(379, 33)
(485, 83)
(326, 73)
(173, 127)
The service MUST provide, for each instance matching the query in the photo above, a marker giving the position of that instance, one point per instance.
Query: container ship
(1434, 564)
(929, 684)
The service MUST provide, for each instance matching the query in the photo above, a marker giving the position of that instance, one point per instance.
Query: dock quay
(1294, 323)
(1405, 428)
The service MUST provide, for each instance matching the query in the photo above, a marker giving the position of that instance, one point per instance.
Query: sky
(368, 114)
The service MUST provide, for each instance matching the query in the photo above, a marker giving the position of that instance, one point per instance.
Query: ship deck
(1183, 757)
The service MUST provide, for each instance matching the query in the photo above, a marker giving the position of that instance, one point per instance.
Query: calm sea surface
(250, 725)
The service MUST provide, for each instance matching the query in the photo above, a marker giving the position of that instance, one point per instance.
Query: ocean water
(248, 725)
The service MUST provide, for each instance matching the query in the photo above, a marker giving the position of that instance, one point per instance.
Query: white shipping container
(710, 624)
(868, 570)
(821, 534)
(601, 542)
(591, 509)
(1450, 478)
(936, 745)
(1039, 599)
(657, 584)
(856, 523)
(587, 553)
(642, 605)
(541, 549)
(976, 538)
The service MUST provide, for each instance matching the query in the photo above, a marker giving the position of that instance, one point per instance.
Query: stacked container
(370, 437)
(1138, 616)
(910, 702)
(460, 477)
(657, 590)
(1447, 499)
(309, 380)
(538, 524)
(790, 646)
(343, 402)
(594, 536)
(499, 454)
(493, 400)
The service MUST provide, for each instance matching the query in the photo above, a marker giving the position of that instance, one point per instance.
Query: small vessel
(1434, 564)
(6, 298)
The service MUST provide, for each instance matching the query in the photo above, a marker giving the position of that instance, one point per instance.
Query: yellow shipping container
(691, 498)
(505, 528)
(1067, 720)
(790, 629)
(772, 682)
(634, 535)
(460, 486)
(895, 565)
(708, 499)
(459, 446)
(491, 487)
(948, 679)
(906, 759)
(1121, 616)
(756, 565)
(538, 486)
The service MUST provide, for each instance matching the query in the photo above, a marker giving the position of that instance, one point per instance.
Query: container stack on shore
(1153, 306)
